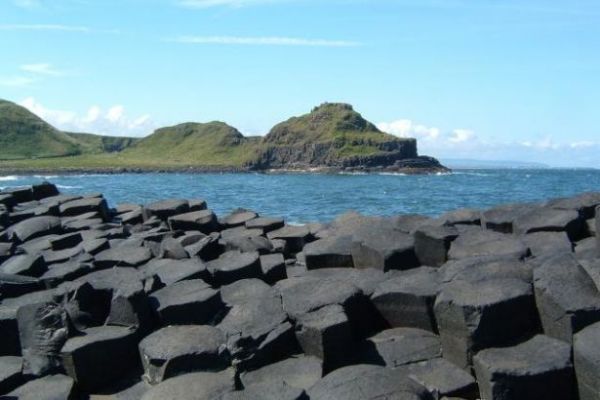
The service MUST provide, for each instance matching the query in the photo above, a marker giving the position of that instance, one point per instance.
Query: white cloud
(407, 128)
(42, 69)
(263, 41)
(461, 135)
(223, 3)
(114, 121)
(16, 81)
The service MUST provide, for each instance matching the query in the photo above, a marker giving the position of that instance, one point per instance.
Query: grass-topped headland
(332, 135)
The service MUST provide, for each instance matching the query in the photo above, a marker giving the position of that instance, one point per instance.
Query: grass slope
(95, 144)
(25, 135)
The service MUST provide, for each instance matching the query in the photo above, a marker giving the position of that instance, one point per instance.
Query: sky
(478, 79)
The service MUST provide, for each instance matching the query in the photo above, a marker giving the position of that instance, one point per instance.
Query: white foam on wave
(45, 176)
(69, 187)
(8, 178)
(392, 173)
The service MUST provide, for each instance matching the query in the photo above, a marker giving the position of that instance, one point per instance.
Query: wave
(392, 173)
(8, 178)
(69, 187)
(465, 173)
(45, 176)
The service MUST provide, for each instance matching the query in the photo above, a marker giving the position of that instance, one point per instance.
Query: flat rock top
(194, 386)
(587, 343)
(422, 281)
(95, 335)
(170, 204)
(303, 294)
(484, 293)
(535, 356)
(9, 366)
(299, 372)
(232, 261)
(367, 382)
(194, 215)
(50, 387)
(178, 340)
(244, 290)
(184, 292)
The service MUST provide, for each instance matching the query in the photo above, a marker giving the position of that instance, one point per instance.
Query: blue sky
(470, 79)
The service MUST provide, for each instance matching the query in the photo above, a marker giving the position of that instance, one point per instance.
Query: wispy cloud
(42, 69)
(16, 81)
(113, 120)
(224, 3)
(263, 41)
(55, 28)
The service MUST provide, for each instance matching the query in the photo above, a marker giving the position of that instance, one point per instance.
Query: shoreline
(220, 170)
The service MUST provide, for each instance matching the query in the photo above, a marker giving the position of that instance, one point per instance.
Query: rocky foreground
(167, 301)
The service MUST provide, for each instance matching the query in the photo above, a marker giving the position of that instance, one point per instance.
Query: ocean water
(308, 197)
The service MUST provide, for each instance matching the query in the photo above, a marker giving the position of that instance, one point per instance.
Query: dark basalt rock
(17, 285)
(10, 373)
(194, 386)
(300, 372)
(100, 356)
(385, 249)
(367, 382)
(123, 256)
(476, 243)
(550, 220)
(474, 316)
(586, 357)
(266, 224)
(86, 205)
(166, 208)
(331, 252)
(25, 264)
(51, 387)
(187, 302)
(204, 221)
(295, 237)
(539, 368)
(598, 229)
(248, 244)
(238, 217)
(19, 194)
(432, 244)
(273, 268)
(35, 227)
(584, 204)
(172, 271)
(176, 350)
(548, 243)
(271, 391)
(567, 298)
(406, 299)
(233, 266)
(501, 219)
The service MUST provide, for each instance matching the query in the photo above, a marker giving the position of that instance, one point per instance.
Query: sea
(314, 197)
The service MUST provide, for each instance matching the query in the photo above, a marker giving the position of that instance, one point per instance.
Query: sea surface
(310, 197)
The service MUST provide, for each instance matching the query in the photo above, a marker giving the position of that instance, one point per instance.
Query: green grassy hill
(210, 144)
(331, 135)
(25, 135)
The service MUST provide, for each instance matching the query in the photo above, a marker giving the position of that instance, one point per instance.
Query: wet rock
(539, 368)
(566, 297)
(194, 386)
(204, 221)
(123, 256)
(100, 356)
(166, 208)
(399, 346)
(487, 243)
(474, 316)
(273, 268)
(586, 357)
(43, 329)
(266, 224)
(367, 382)
(51, 387)
(187, 302)
(443, 379)
(233, 266)
(406, 299)
(175, 350)
(35, 227)
(300, 372)
(10, 373)
(25, 264)
(432, 244)
(331, 252)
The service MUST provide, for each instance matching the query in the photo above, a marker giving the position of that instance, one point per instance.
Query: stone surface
(35, 227)
(539, 368)
(331, 252)
(443, 379)
(51, 387)
(586, 357)
(187, 302)
(166, 208)
(301, 372)
(233, 266)
(193, 386)
(204, 221)
(273, 267)
(475, 316)
(10, 373)
(176, 350)
(487, 243)
(432, 244)
(406, 299)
